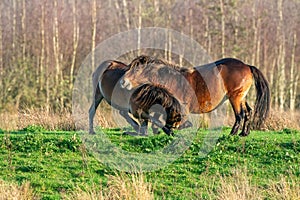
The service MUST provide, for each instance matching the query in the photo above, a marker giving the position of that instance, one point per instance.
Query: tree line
(43, 43)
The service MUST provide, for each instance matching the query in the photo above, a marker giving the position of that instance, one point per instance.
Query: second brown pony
(106, 86)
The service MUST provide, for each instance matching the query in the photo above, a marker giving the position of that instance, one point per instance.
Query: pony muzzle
(125, 83)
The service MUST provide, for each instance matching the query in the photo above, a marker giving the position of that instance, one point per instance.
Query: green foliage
(289, 131)
(33, 129)
(56, 163)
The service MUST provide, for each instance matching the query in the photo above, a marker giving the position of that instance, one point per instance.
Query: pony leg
(154, 127)
(239, 115)
(246, 126)
(168, 131)
(97, 99)
(130, 120)
(164, 128)
(144, 127)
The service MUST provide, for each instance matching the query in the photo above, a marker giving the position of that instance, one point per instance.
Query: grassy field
(264, 165)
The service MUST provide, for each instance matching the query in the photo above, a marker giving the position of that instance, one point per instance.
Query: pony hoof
(92, 132)
(242, 134)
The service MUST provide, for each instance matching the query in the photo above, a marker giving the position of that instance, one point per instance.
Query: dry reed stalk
(238, 187)
(120, 186)
(13, 191)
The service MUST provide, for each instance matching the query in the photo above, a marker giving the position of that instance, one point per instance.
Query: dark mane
(148, 94)
(148, 60)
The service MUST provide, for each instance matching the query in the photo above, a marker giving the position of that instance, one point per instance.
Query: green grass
(56, 162)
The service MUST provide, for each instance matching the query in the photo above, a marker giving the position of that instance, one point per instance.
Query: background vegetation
(43, 43)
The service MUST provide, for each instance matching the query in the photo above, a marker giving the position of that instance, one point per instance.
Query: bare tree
(1, 40)
(281, 57)
(94, 31)
(44, 42)
(23, 22)
(126, 13)
(75, 41)
(222, 28)
(14, 30)
(294, 78)
(56, 44)
(42, 54)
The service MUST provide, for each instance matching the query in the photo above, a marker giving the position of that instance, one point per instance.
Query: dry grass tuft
(238, 187)
(107, 118)
(39, 117)
(48, 120)
(279, 120)
(120, 186)
(285, 189)
(127, 187)
(93, 193)
(13, 191)
(9, 121)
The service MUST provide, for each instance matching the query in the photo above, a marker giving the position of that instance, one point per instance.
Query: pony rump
(262, 102)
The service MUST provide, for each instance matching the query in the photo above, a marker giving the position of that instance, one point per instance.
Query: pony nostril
(123, 83)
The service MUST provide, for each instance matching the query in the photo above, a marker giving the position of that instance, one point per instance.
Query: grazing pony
(207, 87)
(148, 97)
(106, 86)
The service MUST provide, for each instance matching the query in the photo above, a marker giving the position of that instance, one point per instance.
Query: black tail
(262, 102)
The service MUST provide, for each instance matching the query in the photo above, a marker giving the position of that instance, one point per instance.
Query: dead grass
(240, 186)
(120, 186)
(287, 188)
(12, 191)
(105, 118)
(279, 120)
(39, 117)
(124, 186)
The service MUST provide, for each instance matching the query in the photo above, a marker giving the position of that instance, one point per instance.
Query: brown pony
(106, 86)
(207, 86)
(148, 97)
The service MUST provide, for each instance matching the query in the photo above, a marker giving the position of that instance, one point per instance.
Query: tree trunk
(42, 56)
(281, 58)
(23, 21)
(254, 27)
(139, 27)
(169, 38)
(1, 41)
(222, 29)
(126, 13)
(94, 32)
(75, 42)
(14, 41)
(57, 58)
(293, 77)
